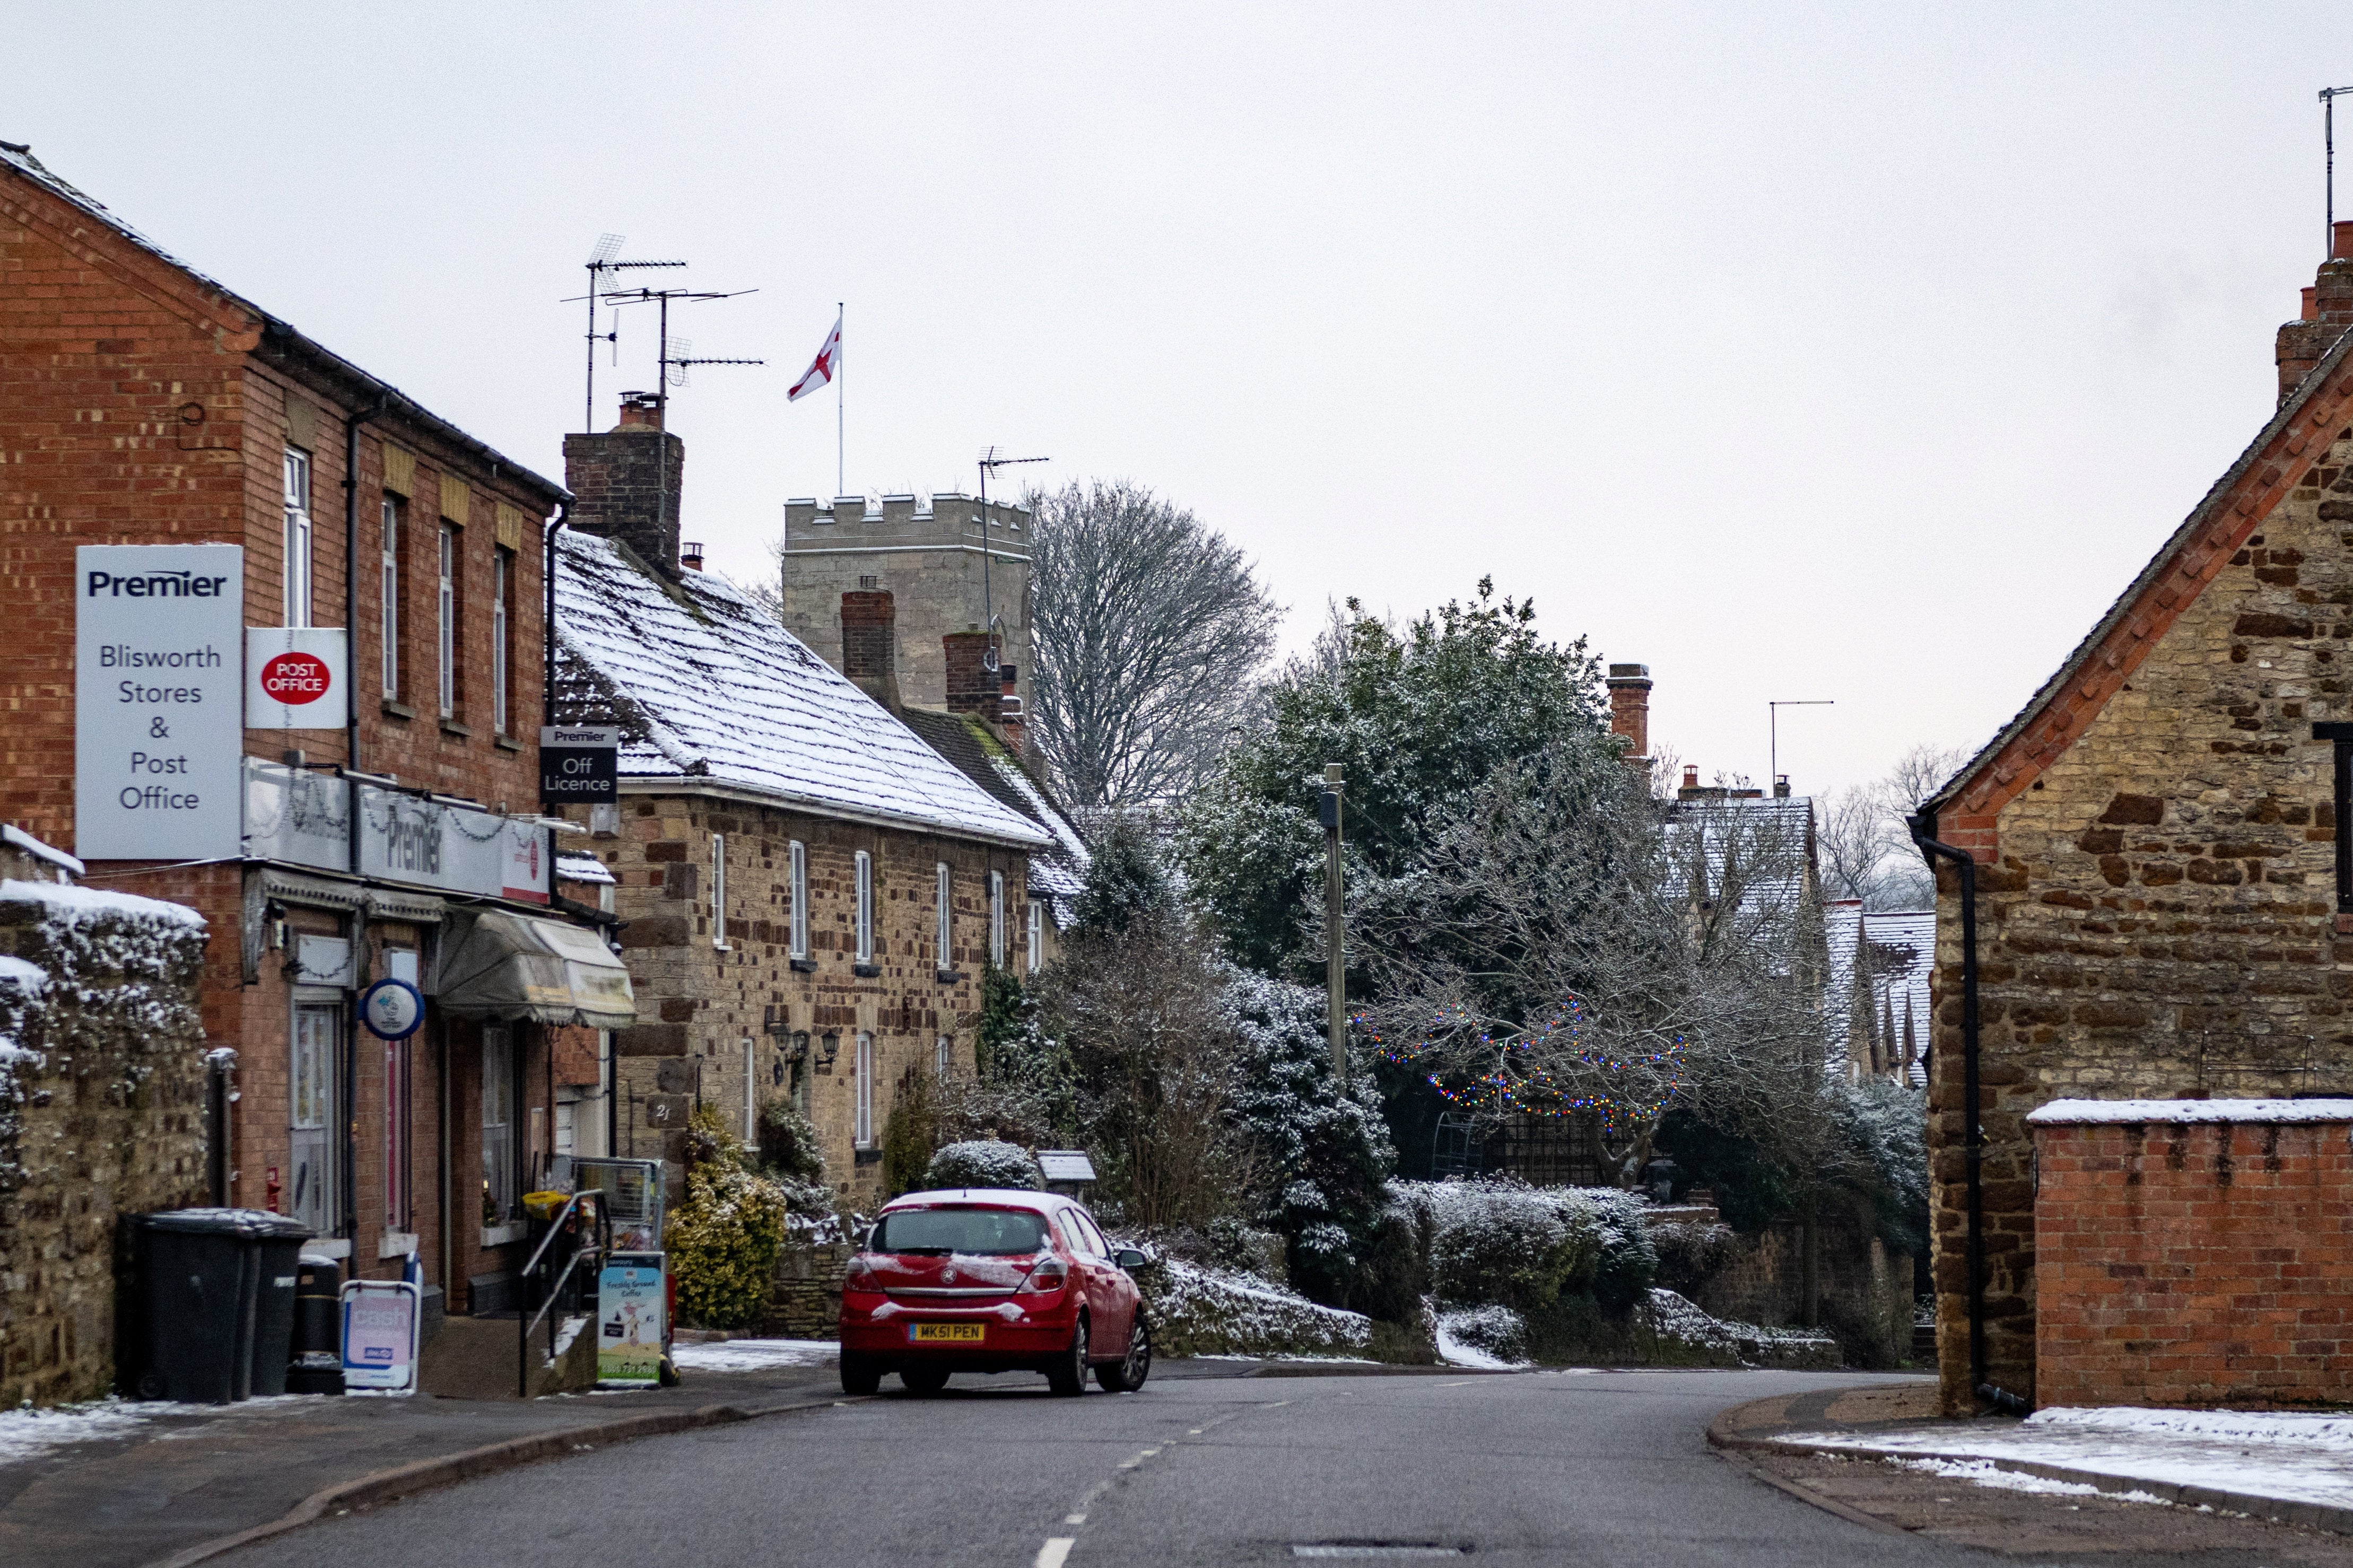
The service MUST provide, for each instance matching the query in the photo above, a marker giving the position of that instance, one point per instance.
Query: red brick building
(2158, 892)
(141, 404)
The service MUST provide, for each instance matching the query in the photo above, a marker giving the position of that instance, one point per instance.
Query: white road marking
(1074, 1518)
(1056, 1551)
(1458, 1382)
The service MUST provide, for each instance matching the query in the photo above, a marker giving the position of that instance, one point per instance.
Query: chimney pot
(1691, 775)
(640, 410)
(1781, 786)
(2340, 237)
(2311, 305)
(691, 557)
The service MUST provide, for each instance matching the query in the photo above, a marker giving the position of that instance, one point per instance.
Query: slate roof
(708, 690)
(1055, 874)
(1906, 941)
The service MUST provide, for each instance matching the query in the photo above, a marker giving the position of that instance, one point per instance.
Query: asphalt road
(1601, 1468)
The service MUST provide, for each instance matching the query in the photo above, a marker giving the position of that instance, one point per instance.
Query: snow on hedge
(1489, 1338)
(1197, 1310)
(1686, 1331)
(984, 1163)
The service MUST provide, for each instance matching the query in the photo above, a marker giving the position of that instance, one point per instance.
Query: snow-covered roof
(708, 690)
(2070, 1111)
(1057, 873)
(1720, 821)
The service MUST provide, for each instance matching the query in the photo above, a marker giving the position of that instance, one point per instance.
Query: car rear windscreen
(1003, 1233)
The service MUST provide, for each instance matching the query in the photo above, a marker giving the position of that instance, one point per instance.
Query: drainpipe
(1923, 825)
(349, 1220)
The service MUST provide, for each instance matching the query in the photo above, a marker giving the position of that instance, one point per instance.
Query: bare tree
(1146, 626)
(1864, 842)
(1567, 947)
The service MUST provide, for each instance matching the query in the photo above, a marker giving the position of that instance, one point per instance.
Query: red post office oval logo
(295, 677)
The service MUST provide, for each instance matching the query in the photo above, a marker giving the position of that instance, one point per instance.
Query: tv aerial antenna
(602, 261)
(675, 361)
(991, 459)
(2328, 146)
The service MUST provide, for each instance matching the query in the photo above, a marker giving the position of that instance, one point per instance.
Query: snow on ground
(754, 1355)
(1982, 1472)
(29, 1434)
(2292, 1457)
(1461, 1352)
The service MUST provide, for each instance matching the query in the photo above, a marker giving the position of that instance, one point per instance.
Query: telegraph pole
(1336, 968)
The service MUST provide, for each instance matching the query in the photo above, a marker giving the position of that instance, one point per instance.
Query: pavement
(2074, 1480)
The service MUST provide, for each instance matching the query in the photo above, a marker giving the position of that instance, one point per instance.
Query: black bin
(318, 1348)
(277, 1246)
(199, 1283)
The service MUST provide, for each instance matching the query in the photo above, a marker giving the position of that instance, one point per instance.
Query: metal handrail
(594, 1249)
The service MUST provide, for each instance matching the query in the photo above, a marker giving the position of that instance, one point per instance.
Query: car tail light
(860, 1275)
(1050, 1274)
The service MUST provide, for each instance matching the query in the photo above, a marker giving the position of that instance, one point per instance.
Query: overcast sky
(1850, 351)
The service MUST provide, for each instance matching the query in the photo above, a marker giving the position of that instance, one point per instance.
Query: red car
(982, 1280)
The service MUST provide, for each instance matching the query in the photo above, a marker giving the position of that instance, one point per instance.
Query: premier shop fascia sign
(158, 679)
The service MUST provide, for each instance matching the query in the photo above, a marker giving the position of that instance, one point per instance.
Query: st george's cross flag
(821, 369)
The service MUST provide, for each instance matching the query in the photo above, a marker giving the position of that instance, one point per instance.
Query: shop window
(298, 537)
(865, 1070)
(799, 892)
(500, 1201)
(865, 906)
(310, 1188)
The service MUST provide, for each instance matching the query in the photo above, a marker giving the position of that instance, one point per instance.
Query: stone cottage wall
(2158, 920)
(102, 1082)
(2194, 1264)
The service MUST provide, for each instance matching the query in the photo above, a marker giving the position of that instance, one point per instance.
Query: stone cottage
(2144, 885)
(810, 893)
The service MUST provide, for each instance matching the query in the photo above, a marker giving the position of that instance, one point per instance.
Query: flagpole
(840, 373)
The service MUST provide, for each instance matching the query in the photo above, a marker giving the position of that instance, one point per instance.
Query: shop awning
(518, 966)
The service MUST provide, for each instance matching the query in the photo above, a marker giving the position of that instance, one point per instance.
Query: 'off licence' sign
(578, 762)
(156, 672)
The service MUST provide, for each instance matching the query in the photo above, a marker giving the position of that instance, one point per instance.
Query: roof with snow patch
(708, 690)
(1058, 873)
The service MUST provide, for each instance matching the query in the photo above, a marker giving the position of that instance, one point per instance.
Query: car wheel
(924, 1380)
(1126, 1375)
(1067, 1373)
(860, 1373)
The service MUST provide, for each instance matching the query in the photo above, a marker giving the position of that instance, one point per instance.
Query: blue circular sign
(392, 1009)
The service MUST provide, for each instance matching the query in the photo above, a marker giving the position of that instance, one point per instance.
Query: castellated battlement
(863, 522)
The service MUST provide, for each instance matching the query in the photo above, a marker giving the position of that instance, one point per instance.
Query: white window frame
(501, 581)
(719, 892)
(1037, 935)
(996, 919)
(862, 1135)
(499, 1124)
(298, 542)
(941, 1056)
(448, 601)
(389, 587)
(799, 893)
(944, 917)
(865, 912)
(313, 1188)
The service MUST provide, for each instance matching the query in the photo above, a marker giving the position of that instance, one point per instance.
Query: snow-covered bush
(1690, 1253)
(788, 1142)
(1197, 1310)
(1498, 1240)
(1321, 1150)
(723, 1240)
(983, 1162)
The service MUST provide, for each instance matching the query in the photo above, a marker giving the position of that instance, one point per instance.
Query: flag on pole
(821, 369)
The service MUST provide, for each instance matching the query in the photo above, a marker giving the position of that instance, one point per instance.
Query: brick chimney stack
(2327, 312)
(971, 687)
(623, 485)
(870, 645)
(1630, 710)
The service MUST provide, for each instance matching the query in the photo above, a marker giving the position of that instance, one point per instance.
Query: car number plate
(953, 1333)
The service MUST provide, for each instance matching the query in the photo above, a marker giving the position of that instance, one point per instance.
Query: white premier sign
(157, 677)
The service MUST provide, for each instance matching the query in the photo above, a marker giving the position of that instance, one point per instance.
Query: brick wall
(103, 1090)
(2193, 1264)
